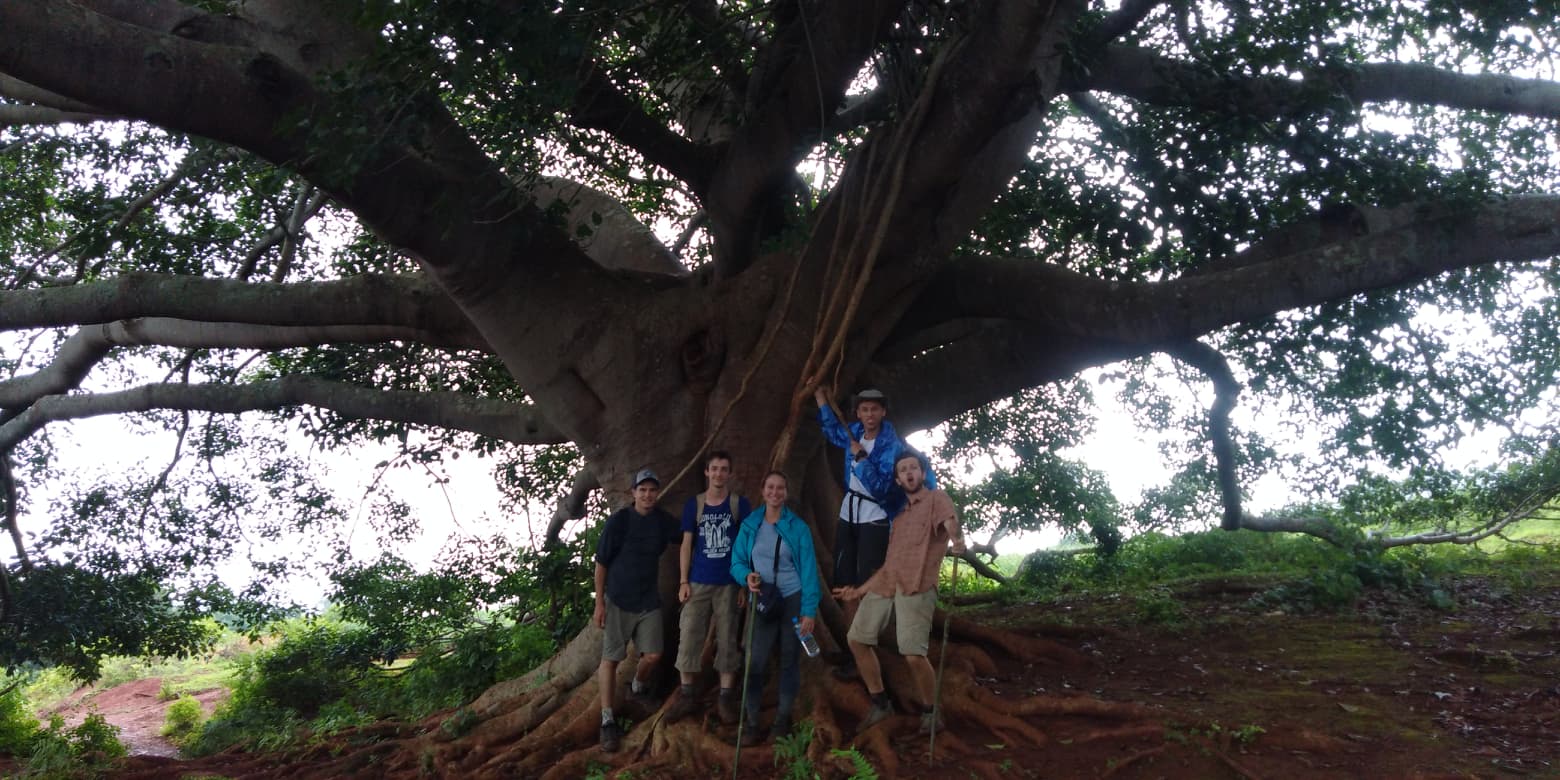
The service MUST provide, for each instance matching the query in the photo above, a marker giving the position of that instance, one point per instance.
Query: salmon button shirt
(917, 544)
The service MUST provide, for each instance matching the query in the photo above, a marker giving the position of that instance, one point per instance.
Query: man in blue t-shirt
(709, 524)
(628, 605)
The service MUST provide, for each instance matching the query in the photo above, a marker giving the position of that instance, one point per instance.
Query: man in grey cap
(628, 604)
(871, 446)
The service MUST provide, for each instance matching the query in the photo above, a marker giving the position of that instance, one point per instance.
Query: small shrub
(86, 749)
(1159, 608)
(18, 727)
(183, 720)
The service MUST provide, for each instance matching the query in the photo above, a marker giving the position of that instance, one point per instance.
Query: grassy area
(1290, 572)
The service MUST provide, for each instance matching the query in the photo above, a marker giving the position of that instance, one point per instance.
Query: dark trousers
(766, 633)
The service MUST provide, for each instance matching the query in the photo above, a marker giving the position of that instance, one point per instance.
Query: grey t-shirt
(764, 560)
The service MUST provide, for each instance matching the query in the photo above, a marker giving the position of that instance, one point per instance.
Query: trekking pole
(942, 655)
(747, 668)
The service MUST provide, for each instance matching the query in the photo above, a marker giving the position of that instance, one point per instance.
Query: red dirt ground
(135, 710)
(1394, 689)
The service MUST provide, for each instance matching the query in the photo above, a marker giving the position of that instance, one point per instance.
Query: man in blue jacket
(871, 445)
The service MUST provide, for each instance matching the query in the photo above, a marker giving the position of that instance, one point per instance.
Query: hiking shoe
(726, 707)
(781, 727)
(681, 708)
(751, 735)
(927, 719)
(611, 738)
(876, 715)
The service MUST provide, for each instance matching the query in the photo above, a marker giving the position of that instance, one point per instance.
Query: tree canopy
(584, 236)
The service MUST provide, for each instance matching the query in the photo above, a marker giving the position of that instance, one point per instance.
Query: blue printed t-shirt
(630, 547)
(713, 532)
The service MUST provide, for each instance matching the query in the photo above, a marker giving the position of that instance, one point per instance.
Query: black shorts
(859, 549)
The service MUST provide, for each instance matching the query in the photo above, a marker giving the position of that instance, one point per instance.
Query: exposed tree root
(545, 725)
(1018, 646)
(1132, 759)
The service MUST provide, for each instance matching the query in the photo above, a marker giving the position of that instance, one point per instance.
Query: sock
(685, 690)
(636, 686)
(726, 693)
(606, 716)
(881, 699)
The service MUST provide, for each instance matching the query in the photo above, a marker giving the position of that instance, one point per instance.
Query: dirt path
(135, 709)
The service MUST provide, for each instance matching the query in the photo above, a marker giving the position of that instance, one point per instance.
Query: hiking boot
(876, 715)
(681, 708)
(927, 719)
(781, 727)
(611, 738)
(751, 735)
(726, 707)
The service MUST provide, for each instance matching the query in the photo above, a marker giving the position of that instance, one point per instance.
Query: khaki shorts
(642, 627)
(694, 625)
(912, 616)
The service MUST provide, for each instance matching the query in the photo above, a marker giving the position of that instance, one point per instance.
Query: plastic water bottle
(809, 644)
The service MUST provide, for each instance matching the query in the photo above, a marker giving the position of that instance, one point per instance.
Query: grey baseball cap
(646, 474)
(870, 394)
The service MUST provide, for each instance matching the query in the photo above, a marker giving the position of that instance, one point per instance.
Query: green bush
(323, 677)
(183, 720)
(18, 727)
(83, 751)
(1158, 607)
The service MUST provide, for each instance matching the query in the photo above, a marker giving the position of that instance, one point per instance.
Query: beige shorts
(642, 627)
(703, 602)
(912, 616)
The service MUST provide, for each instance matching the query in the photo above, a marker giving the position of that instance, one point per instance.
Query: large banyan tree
(587, 236)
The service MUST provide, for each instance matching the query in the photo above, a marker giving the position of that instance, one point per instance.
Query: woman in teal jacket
(775, 545)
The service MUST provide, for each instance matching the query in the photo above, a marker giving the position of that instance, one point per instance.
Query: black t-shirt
(631, 546)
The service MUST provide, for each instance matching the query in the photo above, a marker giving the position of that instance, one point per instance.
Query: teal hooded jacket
(796, 535)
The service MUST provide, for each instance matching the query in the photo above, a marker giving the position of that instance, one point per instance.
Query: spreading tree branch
(409, 301)
(797, 85)
(600, 105)
(1036, 322)
(88, 346)
(15, 116)
(497, 419)
(22, 92)
(1159, 80)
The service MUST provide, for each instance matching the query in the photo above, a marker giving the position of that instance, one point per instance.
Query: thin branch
(185, 167)
(308, 202)
(1123, 20)
(487, 417)
(983, 568)
(1226, 388)
(12, 514)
